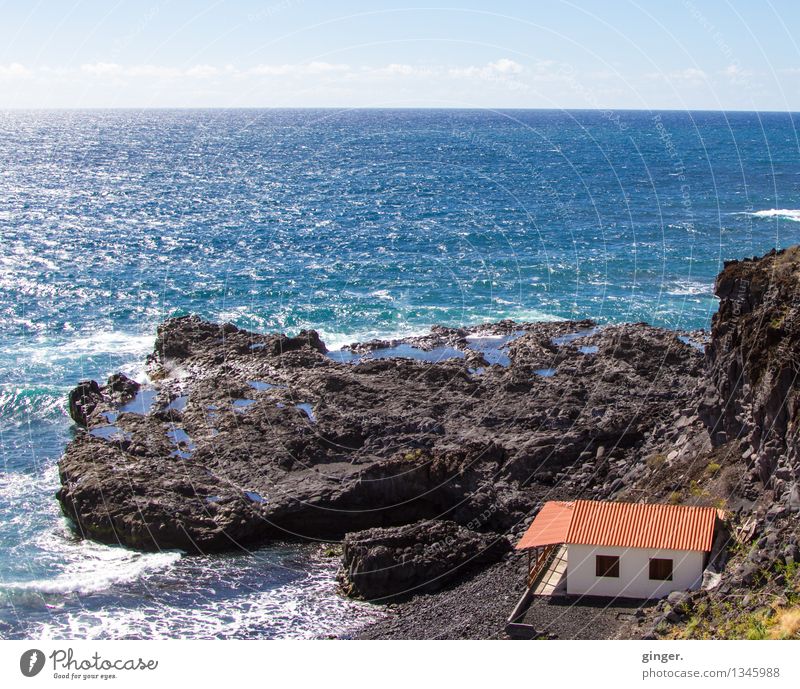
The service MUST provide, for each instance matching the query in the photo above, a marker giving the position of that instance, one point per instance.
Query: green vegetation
(770, 609)
(777, 322)
(789, 570)
(695, 489)
(413, 455)
(785, 624)
(332, 550)
(656, 460)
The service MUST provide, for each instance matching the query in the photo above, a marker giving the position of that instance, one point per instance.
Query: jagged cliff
(750, 407)
(753, 364)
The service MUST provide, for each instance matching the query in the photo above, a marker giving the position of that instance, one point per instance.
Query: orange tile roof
(623, 524)
(549, 527)
(641, 525)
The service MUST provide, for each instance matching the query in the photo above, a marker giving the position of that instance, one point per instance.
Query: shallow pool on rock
(577, 335)
(178, 404)
(142, 403)
(493, 347)
(306, 407)
(399, 351)
(109, 433)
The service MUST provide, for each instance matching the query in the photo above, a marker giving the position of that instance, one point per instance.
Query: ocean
(360, 224)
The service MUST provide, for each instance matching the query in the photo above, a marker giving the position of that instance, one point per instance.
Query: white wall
(634, 572)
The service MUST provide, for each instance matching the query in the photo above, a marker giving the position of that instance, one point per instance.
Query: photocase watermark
(66, 665)
(135, 31)
(740, 297)
(567, 73)
(734, 71)
(679, 169)
(273, 9)
(475, 524)
(31, 662)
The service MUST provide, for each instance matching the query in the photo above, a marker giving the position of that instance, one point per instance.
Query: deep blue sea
(356, 223)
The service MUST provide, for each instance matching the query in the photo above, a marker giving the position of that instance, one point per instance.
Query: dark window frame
(606, 566)
(661, 568)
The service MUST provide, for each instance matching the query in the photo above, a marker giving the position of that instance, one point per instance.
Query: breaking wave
(784, 213)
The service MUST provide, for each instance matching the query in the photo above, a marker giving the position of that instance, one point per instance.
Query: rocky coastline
(428, 456)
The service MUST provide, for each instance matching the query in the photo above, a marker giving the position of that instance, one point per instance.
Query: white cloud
(112, 69)
(204, 71)
(153, 72)
(502, 69)
(102, 69)
(308, 68)
(14, 71)
(737, 75)
(505, 66)
(325, 67)
(493, 70)
(691, 76)
(397, 70)
(403, 70)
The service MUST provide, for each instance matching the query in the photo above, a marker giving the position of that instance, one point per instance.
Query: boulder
(378, 564)
(83, 399)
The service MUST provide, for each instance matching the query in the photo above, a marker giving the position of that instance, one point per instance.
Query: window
(661, 569)
(606, 566)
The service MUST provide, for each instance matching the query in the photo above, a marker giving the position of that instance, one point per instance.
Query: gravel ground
(474, 609)
(584, 618)
(479, 607)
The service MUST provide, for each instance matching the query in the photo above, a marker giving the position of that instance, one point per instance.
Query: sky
(610, 54)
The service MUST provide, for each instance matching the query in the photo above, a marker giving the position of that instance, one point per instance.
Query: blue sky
(680, 54)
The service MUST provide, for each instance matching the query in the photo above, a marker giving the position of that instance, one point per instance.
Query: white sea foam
(73, 566)
(335, 340)
(308, 608)
(93, 567)
(788, 214)
(690, 288)
(109, 342)
(526, 315)
(484, 336)
(19, 405)
(15, 486)
(112, 342)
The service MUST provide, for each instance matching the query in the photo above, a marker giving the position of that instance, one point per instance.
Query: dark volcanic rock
(83, 400)
(401, 561)
(188, 336)
(88, 396)
(754, 359)
(252, 437)
(121, 388)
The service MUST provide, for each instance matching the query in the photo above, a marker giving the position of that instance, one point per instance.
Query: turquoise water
(360, 224)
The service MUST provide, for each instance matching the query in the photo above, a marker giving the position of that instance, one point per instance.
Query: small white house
(617, 549)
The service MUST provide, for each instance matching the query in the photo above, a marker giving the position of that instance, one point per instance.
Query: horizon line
(74, 108)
